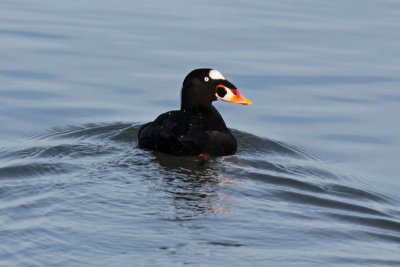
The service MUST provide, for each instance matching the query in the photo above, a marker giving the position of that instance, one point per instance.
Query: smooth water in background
(316, 177)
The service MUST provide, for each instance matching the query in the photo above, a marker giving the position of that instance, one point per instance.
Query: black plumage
(197, 128)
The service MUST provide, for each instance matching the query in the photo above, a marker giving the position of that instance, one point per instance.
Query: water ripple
(32, 34)
(266, 176)
(34, 169)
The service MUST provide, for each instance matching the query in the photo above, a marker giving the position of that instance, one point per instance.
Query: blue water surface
(316, 177)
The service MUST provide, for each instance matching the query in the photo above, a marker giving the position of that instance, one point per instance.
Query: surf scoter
(197, 128)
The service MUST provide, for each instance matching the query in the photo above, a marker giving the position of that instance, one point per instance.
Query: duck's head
(202, 86)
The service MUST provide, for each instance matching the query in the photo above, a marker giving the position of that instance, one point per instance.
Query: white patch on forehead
(216, 75)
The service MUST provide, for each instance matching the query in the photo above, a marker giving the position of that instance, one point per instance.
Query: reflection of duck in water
(194, 191)
(197, 128)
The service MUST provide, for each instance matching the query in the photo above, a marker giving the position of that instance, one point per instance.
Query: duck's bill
(240, 99)
(231, 95)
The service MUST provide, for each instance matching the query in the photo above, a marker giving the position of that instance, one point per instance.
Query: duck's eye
(221, 92)
(206, 79)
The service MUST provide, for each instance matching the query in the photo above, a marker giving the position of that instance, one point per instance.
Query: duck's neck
(194, 99)
(198, 109)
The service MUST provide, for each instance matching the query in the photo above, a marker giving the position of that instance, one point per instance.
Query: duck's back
(162, 134)
(188, 133)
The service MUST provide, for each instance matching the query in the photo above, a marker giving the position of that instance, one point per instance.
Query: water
(315, 180)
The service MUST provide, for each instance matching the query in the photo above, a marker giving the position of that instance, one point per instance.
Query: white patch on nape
(216, 75)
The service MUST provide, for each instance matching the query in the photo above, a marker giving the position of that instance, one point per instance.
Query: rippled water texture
(88, 191)
(315, 180)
